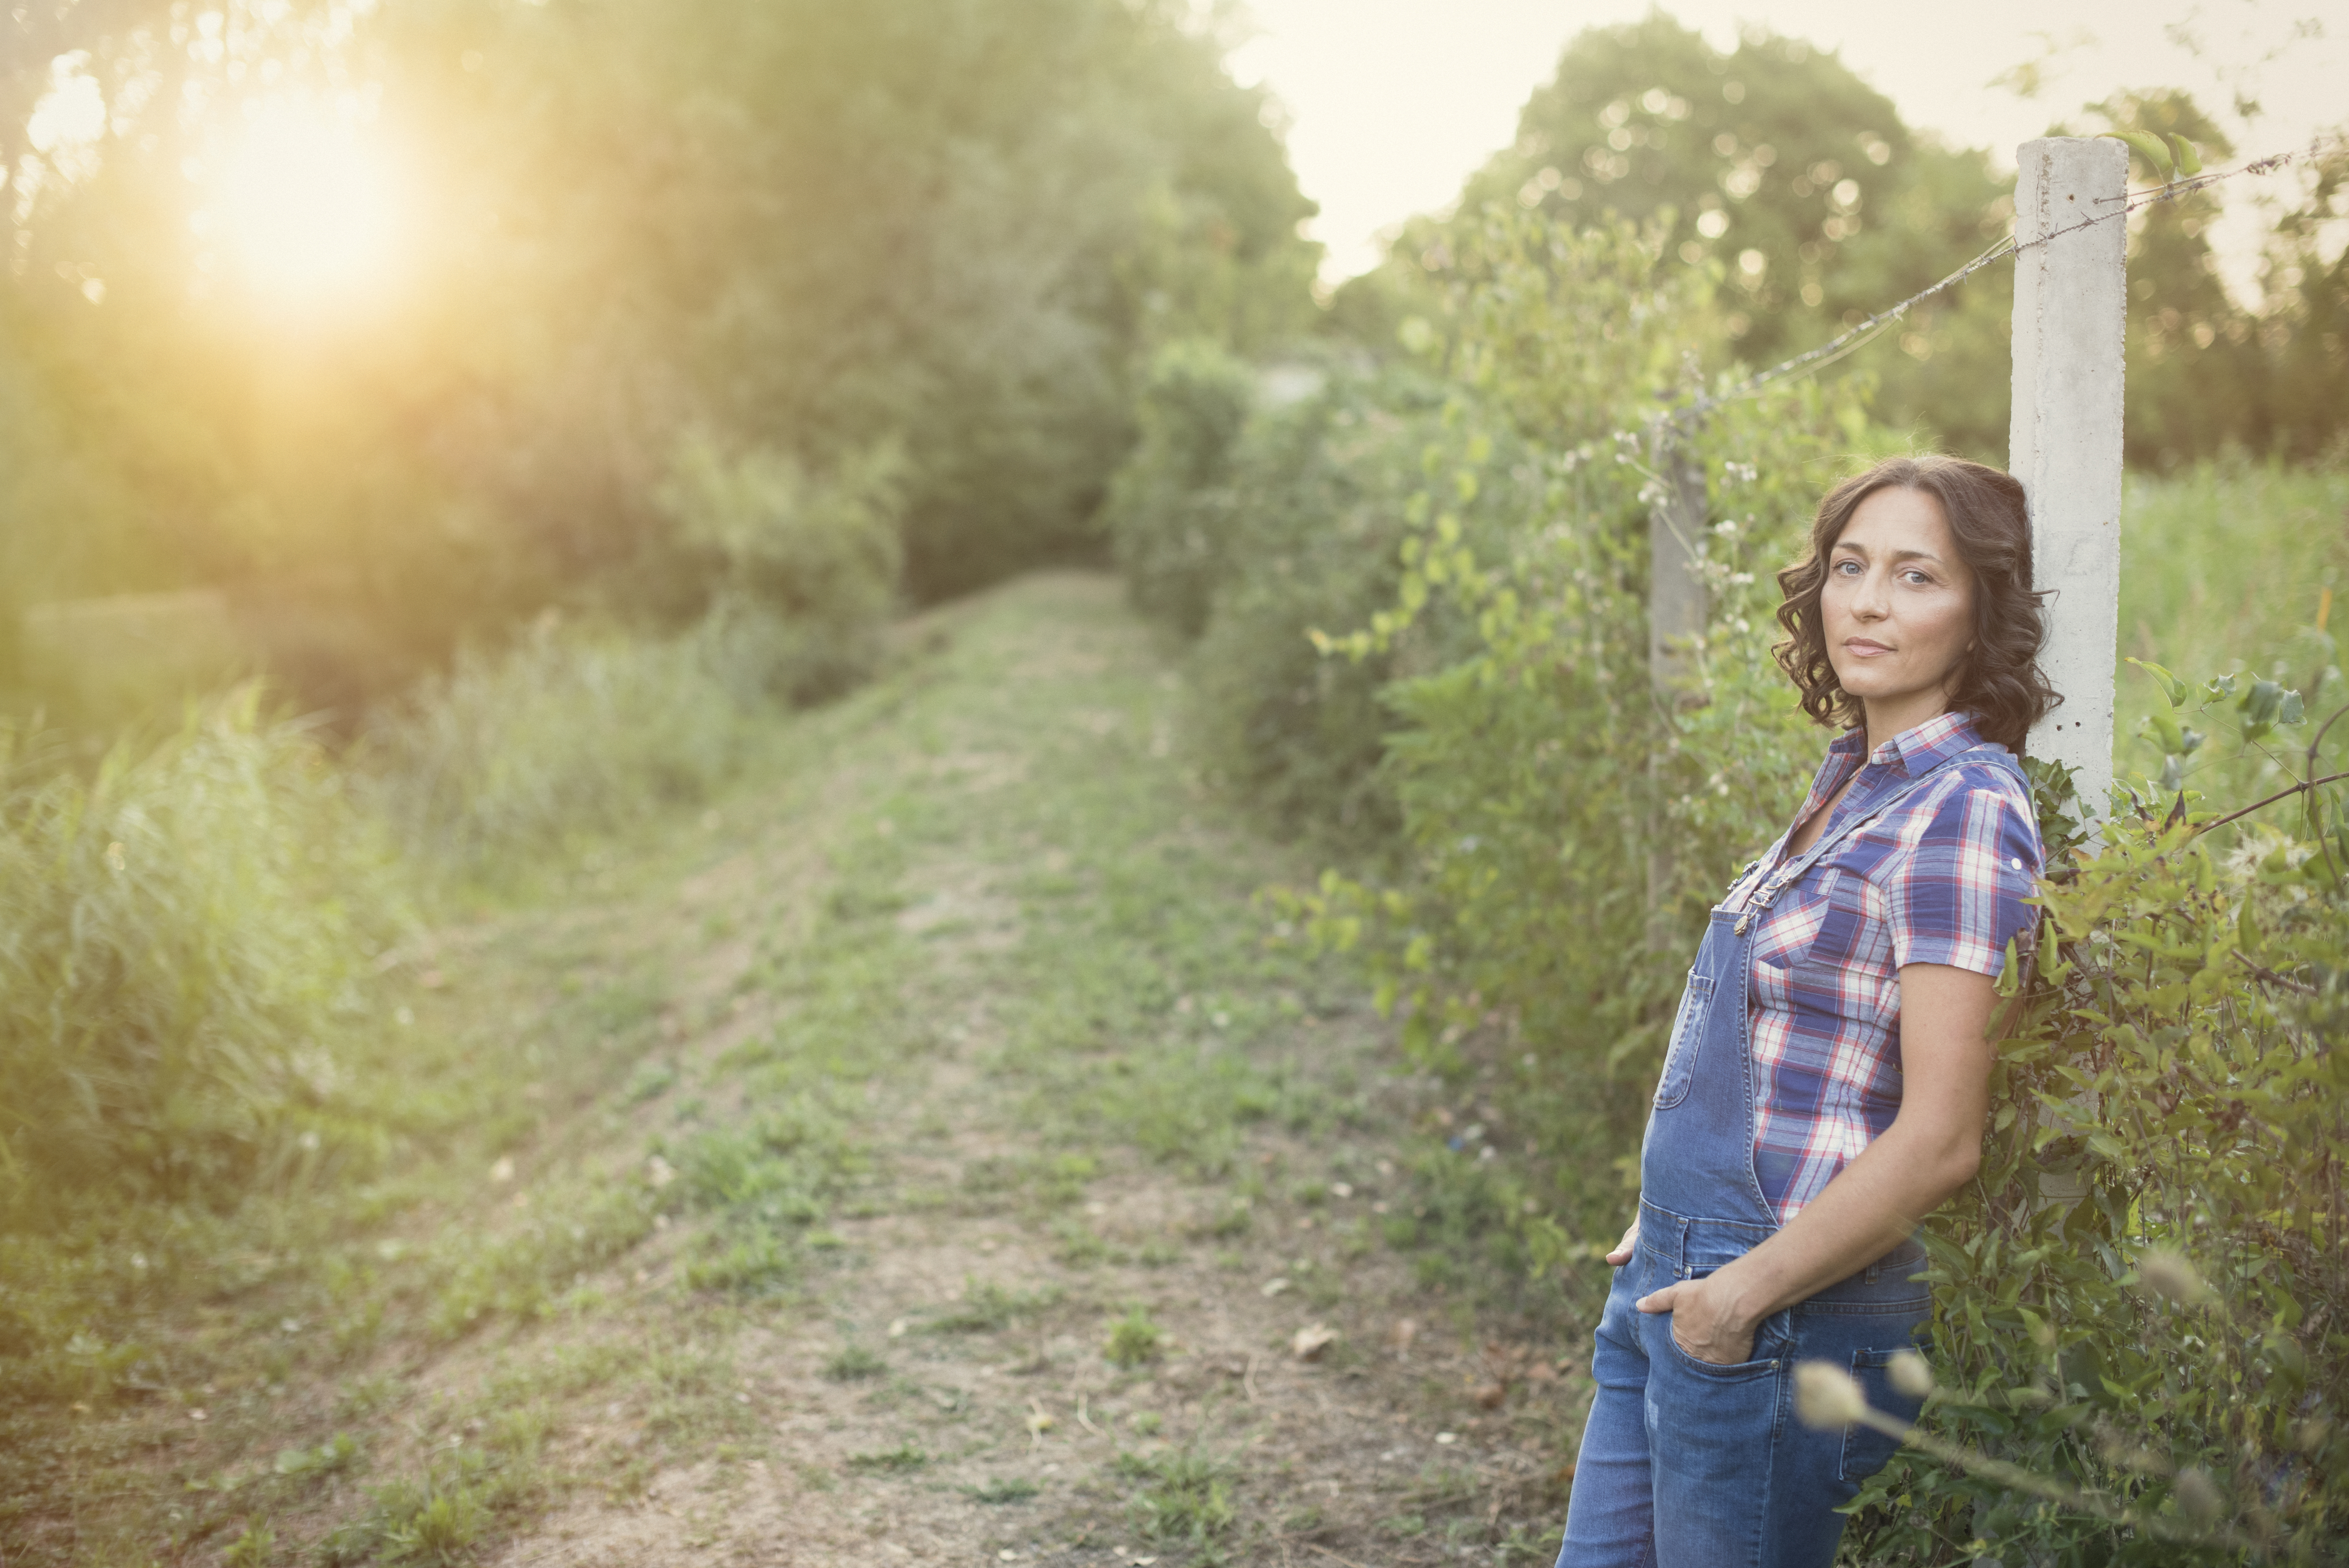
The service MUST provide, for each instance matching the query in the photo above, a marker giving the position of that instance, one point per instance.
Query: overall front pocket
(1688, 1034)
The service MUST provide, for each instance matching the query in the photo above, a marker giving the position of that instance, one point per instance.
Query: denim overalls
(1685, 1464)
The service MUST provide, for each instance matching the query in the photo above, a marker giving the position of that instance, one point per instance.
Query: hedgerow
(2154, 1339)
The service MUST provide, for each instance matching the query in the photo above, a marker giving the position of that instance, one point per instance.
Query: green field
(2227, 569)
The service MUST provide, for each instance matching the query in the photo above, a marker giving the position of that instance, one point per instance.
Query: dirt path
(961, 1178)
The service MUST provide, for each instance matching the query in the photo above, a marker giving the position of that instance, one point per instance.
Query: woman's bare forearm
(1929, 1151)
(1871, 1207)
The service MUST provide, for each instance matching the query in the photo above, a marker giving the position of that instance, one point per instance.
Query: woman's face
(1898, 608)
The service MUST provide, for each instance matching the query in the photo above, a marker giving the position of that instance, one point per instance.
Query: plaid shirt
(1939, 879)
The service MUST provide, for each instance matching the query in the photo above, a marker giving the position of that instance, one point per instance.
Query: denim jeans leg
(1610, 1516)
(1714, 1436)
(1820, 1471)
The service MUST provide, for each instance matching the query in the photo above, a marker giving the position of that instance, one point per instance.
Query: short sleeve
(1961, 895)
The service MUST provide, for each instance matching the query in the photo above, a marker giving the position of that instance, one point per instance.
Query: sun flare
(310, 205)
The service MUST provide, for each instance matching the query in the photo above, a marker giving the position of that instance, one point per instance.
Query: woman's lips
(1864, 648)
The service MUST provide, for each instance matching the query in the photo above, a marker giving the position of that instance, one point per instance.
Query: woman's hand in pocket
(1707, 1324)
(1626, 1247)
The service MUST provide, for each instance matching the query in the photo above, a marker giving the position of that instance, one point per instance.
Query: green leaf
(2148, 147)
(2176, 690)
(2189, 161)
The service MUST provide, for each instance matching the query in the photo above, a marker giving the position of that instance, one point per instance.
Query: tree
(1774, 158)
(805, 228)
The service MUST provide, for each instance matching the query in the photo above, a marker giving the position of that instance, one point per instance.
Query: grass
(1183, 1498)
(905, 1457)
(568, 732)
(1134, 1341)
(633, 1111)
(2228, 568)
(854, 1363)
(999, 1491)
(987, 1307)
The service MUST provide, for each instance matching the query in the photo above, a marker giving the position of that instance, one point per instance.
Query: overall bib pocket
(1688, 1034)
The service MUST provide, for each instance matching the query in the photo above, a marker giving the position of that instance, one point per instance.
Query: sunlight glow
(310, 205)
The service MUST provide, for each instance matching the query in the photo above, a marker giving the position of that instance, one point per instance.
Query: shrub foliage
(181, 933)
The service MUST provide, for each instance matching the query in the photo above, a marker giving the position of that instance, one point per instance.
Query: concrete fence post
(1676, 596)
(2071, 298)
(1676, 612)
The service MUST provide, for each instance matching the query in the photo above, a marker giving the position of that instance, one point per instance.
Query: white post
(1676, 612)
(1676, 607)
(2071, 300)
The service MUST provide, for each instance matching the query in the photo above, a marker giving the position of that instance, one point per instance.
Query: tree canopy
(956, 226)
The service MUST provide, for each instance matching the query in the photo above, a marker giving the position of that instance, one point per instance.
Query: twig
(2111, 1511)
(1248, 1379)
(2262, 971)
(2301, 788)
(1317, 1546)
(1081, 1418)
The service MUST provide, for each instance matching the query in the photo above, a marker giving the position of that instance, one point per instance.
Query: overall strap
(1793, 871)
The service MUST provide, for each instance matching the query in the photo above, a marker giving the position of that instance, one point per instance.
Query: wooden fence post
(2065, 443)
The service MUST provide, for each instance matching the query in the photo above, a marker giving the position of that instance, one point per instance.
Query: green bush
(1170, 504)
(806, 567)
(184, 934)
(1547, 792)
(511, 754)
(2143, 1295)
(1319, 490)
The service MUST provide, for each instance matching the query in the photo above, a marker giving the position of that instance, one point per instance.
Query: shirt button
(2017, 862)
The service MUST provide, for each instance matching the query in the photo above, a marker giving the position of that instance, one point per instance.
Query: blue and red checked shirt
(1939, 879)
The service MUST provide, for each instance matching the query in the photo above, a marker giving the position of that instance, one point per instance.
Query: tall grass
(187, 934)
(2225, 569)
(182, 937)
(567, 732)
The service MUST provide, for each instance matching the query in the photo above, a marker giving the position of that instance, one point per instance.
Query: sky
(1392, 102)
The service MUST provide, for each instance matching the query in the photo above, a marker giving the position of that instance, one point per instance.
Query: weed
(756, 1263)
(564, 731)
(1234, 1220)
(253, 1549)
(630, 1481)
(1135, 1340)
(365, 1397)
(1186, 1498)
(650, 1081)
(330, 1458)
(1145, 1423)
(904, 1457)
(854, 1363)
(186, 932)
(1013, 1489)
(433, 1522)
(1079, 1246)
(987, 1307)
(516, 1274)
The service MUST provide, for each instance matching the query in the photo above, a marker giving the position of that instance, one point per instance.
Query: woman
(1828, 1072)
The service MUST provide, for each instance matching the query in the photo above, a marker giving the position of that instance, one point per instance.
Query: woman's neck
(1898, 716)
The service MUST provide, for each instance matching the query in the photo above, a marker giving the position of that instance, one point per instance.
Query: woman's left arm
(1931, 1151)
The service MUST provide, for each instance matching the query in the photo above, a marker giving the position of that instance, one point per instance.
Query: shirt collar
(1913, 750)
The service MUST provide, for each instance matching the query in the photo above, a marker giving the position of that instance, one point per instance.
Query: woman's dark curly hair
(1998, 683)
